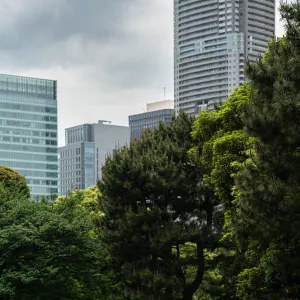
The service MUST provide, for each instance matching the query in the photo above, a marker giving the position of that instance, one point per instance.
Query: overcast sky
(110, 57)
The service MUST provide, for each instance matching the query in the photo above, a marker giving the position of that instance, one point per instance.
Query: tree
(14, 182)
(266, 220)
(221, 147)
(49, 251)
(86, 200)
(156, 208)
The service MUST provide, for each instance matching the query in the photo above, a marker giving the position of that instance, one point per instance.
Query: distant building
(154, 106)
(212, 41)
(28, 131)
(87, 147)
(156, 112)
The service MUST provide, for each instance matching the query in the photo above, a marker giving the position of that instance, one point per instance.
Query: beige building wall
(165, 104)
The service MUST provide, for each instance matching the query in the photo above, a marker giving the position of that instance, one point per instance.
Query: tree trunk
(169, 294)
(191, 289)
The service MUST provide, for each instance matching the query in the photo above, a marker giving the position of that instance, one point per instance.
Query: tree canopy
(266, 220)
(13, 182)
(155, 205)
(49, 251)
(200, 209)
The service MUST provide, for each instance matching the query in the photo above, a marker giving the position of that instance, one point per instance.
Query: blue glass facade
(88, 171)
(28, 131)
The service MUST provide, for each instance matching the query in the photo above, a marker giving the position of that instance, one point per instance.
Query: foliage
(220, 144)
(221, 148)
(201, 209)
(87, 200)
(49, 251)
(13, 182)
(267, 190)
(154, 204)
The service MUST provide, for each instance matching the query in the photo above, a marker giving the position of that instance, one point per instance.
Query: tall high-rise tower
(212, 40)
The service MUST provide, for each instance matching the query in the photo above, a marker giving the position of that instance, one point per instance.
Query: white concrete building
(84, 155)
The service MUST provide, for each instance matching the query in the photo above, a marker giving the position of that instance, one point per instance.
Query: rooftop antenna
(165, 91)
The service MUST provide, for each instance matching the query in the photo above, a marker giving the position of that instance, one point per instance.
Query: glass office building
(28, 131)
(212, 41)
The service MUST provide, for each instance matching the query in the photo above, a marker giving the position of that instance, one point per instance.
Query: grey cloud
(99, 33)
(58, 20)
(110, 57)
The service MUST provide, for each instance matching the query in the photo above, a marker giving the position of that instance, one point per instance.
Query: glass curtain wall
(28, 131)
(88, 171)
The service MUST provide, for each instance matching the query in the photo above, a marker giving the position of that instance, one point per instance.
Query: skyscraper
(212, 40)
(84, 154)
(28, 131)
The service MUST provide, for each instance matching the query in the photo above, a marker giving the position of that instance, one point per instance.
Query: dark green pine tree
(158, 217)
(267, 219)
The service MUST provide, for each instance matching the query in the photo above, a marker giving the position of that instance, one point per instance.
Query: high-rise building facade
(84, 154)
(161, 111)
(212, 41)
(28, 131)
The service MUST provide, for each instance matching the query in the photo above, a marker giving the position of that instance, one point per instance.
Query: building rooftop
(28, 77)
(165, 104)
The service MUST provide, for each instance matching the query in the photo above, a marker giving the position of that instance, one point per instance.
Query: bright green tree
(221, 147)
(158, 215)
(86, 200)
(266, 221)
(49, 251)
(13, 182)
